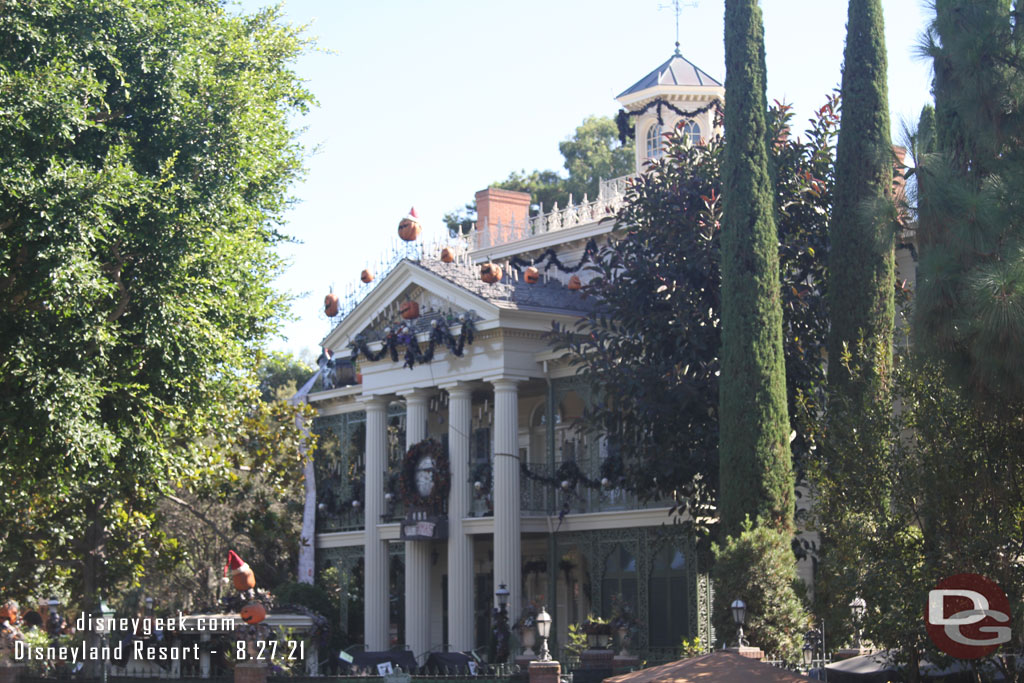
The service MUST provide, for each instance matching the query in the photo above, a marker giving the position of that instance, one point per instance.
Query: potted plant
(599, 632)
(624, 623)
(525, 626)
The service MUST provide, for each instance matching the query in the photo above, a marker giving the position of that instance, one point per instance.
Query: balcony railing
(610, 197)
(539, 497)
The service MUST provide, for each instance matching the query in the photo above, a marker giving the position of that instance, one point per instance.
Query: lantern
(409, 310)
(575, 283)
(253, 613)
(531, 275)
(366, 276)
(447, 255)
(331, 305)
(490, 273)
(409, 228)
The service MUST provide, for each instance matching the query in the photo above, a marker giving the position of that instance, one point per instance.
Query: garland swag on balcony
(439, 335)
(589, 254)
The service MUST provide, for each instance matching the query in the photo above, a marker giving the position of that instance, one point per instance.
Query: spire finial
(677, 9)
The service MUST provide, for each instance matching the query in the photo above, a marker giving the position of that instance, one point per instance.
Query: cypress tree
(861, 284)
(755, 462)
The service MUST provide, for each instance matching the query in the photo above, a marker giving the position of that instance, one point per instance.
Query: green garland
(407, 492)
(626, 130)
(590, 253)
(439, 336)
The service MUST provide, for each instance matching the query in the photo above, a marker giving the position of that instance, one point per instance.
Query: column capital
(505, 381)
(375, 402)
(417, 395)
(460, 389)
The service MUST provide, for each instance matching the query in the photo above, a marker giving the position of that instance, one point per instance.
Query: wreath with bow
(407, 492)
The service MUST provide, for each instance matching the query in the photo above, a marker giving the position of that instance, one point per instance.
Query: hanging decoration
(331, 305)
(409, 227)
(366, 276)
(490, 273)
(408, 492)
(626, 129)
(440, 334)
(531, 275)
(590, 252)
(569, 476)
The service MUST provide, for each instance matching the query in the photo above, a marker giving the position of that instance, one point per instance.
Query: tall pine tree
(969, 312)
(755, 462)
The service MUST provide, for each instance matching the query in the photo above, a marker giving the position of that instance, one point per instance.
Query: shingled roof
(678, 70)
(551, 296)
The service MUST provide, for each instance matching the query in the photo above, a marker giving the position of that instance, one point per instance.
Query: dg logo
(968, 616)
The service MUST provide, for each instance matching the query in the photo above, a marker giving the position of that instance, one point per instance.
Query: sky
(425, 103)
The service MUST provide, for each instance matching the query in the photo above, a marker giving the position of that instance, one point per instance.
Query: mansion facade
(420, 547)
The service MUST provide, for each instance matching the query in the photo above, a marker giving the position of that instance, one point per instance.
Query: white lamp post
(739, 615)
(544, 630)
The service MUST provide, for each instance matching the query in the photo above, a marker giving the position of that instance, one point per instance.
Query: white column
(417, 553)
(507, 552)
(375, 609)
(460, 546)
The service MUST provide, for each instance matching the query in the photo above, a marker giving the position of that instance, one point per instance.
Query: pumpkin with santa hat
(241, 574)
(409, 228)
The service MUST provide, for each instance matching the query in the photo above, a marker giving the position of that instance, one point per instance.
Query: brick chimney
(505, 208)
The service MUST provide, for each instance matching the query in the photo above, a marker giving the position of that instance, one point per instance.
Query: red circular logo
(967, 616)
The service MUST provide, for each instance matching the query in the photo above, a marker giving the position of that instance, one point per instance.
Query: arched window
(654, 141)
(619, 579)
(668, 606)
(692, 129)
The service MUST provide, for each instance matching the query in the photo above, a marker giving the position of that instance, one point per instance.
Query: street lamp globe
(739, 612)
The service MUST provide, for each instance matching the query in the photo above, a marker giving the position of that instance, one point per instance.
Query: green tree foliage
(956, 503)
(592, 153)
(756, 566)
(146, 158)
(861, 270)
(969, 311)
(755, 461)
(653, 343)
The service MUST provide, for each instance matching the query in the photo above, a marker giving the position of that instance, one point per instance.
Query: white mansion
(499, 398)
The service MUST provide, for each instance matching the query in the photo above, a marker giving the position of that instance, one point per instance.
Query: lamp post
(53, 622)
(501, 630)
(858, 607)
(105, 613)
(739, 616)
(544, 630)
(814, 643)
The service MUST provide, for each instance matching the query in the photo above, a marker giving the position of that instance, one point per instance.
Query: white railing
(610, 196)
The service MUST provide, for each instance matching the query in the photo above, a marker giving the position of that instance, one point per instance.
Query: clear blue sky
(424, 103)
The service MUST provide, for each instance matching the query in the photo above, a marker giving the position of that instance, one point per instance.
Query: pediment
(435, 297)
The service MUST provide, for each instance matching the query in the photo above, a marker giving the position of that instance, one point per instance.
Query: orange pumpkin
(447, 255)
(9, 612)
(409, 228)
(331, 305)
(359, 378)
(409, 310)
(575, 283)
(366, 276)
(531, 275)
(490, 273)
(244, 579)
(253, 613)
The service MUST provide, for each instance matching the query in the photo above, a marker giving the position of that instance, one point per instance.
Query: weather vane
(677, 8)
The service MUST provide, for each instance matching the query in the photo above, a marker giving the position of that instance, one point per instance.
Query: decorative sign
(429, 529)
(385, 668)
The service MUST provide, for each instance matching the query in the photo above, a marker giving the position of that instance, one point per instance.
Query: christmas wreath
(407, 492)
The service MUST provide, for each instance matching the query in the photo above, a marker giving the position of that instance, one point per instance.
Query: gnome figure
(241, 574)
